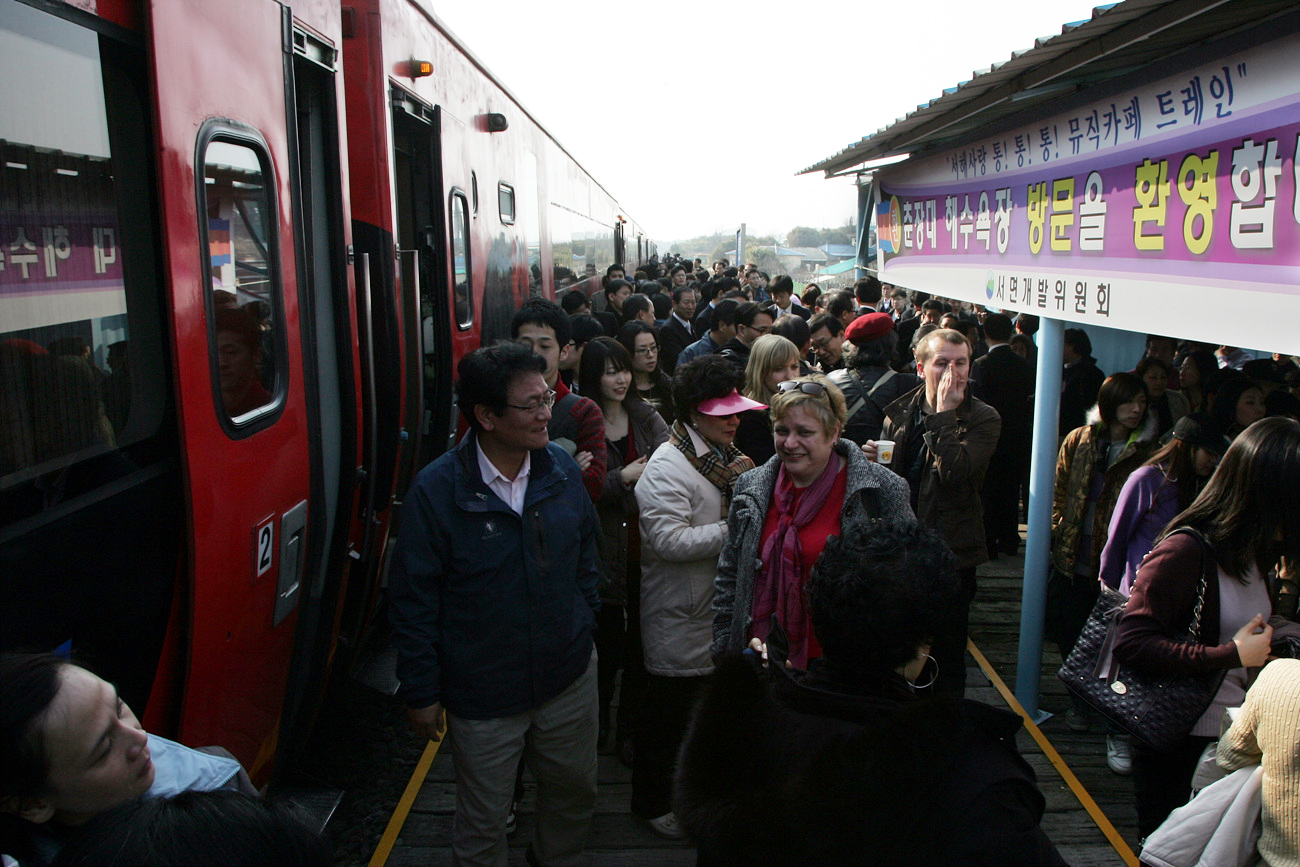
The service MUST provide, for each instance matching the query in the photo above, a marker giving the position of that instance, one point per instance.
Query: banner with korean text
(1173, 207)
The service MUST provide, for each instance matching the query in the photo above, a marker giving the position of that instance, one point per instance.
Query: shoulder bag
(1159, 711)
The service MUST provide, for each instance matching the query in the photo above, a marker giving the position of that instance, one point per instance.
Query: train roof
(1117, 40)
(426, 8)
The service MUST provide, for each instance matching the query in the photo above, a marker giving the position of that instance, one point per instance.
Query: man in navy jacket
(493, 600)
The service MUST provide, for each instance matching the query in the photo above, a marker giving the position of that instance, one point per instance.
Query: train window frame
(464, 313)
(506, 195)
(225, 130)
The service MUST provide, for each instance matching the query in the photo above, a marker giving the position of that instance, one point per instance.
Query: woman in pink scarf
(782, 513)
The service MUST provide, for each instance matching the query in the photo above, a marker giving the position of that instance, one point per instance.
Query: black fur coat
(791, 769)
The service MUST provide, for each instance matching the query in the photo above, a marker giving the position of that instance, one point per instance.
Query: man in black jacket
(752, 322)
(675, 331)
(1005, 381)
(1080, 381)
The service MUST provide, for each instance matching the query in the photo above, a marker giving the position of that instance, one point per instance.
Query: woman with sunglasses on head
(683, 495)
(815, 486)
(772, 359)
(649, 382)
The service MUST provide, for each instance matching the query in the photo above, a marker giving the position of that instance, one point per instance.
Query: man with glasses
(752, 322)
(493, 601)
(827, 341)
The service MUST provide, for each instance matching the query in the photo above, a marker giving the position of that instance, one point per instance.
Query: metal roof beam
(1160, 19)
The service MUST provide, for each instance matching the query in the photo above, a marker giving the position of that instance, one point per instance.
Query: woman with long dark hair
(1249, 518)
(1157, 491)
(633, 430)
(1194, 375)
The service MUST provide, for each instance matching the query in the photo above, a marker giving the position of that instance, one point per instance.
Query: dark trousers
(1001, 498)
(665, 711)
(1162, 780)
(634, 673)
(949, 647)
(611, 638)
(1070, 599)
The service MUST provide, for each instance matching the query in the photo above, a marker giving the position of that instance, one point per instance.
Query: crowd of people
(766, 510)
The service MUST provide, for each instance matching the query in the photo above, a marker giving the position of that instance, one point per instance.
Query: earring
(928, 659)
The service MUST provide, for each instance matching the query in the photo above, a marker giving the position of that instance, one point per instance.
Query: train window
(245, 325)
(82, 374)
(506, 203)
(461, 271)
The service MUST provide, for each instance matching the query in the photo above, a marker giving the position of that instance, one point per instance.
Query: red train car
(242, 247)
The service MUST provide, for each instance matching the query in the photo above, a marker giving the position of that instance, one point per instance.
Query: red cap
(869, 326)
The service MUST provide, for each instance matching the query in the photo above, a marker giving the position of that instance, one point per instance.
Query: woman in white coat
(683, 496)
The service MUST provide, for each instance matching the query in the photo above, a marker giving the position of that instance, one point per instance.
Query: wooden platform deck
(620, 839)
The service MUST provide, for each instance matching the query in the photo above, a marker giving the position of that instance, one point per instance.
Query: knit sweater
(1267, 730)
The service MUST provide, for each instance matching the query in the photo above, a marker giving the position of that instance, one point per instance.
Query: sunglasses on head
(805, 387)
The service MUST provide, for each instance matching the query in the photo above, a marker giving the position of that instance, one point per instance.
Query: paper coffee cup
(885, 451)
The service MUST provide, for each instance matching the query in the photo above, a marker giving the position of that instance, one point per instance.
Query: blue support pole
(1042, 470)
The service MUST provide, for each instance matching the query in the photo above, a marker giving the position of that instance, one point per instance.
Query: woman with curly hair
(847, 763)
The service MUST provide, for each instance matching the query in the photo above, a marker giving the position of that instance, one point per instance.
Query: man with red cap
(868, 383)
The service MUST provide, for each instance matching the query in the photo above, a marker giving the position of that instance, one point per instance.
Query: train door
(421, 242)
(421, 255)
(329, 364)
(220, 78)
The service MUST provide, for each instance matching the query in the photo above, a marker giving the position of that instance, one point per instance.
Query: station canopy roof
(1119, 39)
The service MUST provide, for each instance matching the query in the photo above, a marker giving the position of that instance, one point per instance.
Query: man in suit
(675, 331)
(782, 290)
(1005, 381)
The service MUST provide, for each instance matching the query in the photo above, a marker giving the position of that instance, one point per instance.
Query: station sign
(1172, 206)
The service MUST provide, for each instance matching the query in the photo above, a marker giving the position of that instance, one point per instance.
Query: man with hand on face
(943, 440)
(493, 602)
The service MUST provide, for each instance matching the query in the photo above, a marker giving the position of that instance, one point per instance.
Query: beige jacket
(682, 531)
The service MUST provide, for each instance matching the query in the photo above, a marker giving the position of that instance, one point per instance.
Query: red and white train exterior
(242, 247)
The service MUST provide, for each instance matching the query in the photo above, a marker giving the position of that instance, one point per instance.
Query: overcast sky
(695, 114)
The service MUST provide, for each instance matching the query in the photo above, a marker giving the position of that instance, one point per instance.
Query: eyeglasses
(805, 387)
(821, 344)
(547, 400)
(647, 351)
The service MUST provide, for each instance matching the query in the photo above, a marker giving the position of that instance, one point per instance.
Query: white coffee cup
(885, 451)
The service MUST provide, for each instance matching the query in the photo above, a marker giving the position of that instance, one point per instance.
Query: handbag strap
(1203, 585)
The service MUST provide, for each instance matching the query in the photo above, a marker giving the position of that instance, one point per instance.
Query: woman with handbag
(1094, 462)
(1248, 517)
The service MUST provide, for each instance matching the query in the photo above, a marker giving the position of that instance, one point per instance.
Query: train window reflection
(506, 203)
(462, 271)
(68, 292)
(240, 260)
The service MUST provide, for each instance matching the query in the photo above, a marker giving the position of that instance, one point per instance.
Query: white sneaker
(666, 826)
(1119, 755)
(512, 818)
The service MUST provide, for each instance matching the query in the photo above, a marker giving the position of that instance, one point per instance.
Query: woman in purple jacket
(1157, 491)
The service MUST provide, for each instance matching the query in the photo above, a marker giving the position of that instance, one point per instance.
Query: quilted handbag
(1160, 710)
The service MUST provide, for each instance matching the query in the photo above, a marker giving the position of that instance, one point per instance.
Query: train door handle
(293, 526)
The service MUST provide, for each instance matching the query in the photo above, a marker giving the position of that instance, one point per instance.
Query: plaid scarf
(721, 466)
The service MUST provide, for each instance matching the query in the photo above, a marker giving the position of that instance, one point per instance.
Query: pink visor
(729, 405)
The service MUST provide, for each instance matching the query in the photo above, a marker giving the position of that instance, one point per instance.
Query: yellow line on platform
(398, 819)
(1117, 842)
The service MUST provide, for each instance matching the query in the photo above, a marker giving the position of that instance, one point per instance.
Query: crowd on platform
(766, 511)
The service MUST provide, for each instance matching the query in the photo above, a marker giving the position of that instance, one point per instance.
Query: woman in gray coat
(815, 487)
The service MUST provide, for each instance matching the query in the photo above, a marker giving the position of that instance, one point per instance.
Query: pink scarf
(779, 587)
